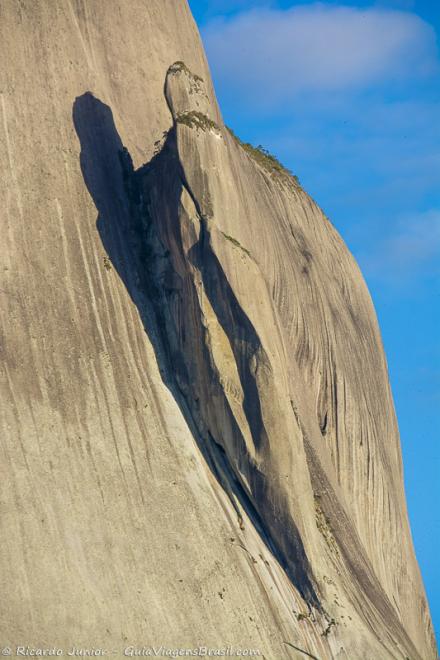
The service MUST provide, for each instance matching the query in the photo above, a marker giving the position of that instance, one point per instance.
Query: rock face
(199, 440)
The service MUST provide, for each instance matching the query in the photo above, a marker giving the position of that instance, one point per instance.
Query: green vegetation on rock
(236, 243)
(181, 66)
(196, 119)
(267, 160)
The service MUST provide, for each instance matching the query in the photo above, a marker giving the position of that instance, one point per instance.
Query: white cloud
(273, 54)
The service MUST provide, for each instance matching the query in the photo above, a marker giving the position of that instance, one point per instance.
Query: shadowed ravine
(132, 248)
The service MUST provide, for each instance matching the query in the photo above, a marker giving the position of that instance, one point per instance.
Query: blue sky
(347, 95)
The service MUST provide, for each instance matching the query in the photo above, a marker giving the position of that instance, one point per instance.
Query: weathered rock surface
(199, 443)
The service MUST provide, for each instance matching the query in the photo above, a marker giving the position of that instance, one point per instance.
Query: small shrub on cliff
(267, 160)
(196, 119)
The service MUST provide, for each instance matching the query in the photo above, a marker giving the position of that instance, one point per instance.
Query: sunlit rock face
(199, 441)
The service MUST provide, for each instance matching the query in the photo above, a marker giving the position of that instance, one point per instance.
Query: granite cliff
(199, 439)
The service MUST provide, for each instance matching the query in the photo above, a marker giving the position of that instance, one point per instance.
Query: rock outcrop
(199, 440)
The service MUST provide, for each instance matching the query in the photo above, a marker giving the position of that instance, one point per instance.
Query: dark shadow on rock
(116, 191)
(106, 166)
(100, 159)
(245, 344)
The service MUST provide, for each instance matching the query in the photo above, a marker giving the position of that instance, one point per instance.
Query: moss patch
(235, 242)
